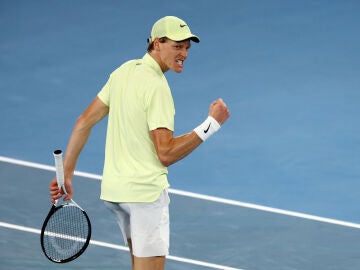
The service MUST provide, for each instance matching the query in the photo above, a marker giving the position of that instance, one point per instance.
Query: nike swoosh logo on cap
(182, 25)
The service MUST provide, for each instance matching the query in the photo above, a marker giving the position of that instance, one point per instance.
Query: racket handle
(58, 157)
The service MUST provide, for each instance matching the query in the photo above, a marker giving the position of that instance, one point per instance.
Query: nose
(184, 53)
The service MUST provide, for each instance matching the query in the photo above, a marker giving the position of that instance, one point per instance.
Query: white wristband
(207, 128)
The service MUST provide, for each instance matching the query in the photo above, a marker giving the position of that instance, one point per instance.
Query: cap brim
(181, 37)
(195, 39)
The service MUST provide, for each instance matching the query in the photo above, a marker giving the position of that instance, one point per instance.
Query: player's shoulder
(126, 66)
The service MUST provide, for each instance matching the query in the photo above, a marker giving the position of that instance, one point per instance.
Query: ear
(157, 44)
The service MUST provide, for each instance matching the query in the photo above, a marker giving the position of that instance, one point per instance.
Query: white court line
(118, 247)
(200, 196)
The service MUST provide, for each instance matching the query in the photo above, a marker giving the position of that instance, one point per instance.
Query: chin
(178, 70)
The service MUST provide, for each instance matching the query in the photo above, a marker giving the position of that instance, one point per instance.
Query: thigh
(150, 227)
(153, 263)
(122, 214)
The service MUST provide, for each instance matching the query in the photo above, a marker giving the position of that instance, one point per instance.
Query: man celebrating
(140, 144)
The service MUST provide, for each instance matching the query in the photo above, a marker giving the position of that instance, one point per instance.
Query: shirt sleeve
(160, 108)
(104, 94)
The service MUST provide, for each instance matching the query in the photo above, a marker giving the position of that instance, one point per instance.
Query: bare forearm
(78, 139)
(172, 149)
(81, 132)
(183, 146)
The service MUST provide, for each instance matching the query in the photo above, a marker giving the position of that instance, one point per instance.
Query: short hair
(150, 47)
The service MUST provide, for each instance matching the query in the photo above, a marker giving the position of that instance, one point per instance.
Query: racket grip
(58, 157)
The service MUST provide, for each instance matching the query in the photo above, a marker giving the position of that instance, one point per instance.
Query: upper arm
(162, 138)
(96, 111)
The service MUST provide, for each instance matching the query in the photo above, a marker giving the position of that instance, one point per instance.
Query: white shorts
(146, 224)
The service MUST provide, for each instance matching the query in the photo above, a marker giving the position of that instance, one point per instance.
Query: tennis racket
(66, 231)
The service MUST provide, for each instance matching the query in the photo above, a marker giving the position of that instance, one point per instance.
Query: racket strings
(66, 233)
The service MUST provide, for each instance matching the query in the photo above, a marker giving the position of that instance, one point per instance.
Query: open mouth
(180, 62)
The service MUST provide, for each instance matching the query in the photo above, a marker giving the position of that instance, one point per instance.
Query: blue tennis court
(206, 233)
(275, 189)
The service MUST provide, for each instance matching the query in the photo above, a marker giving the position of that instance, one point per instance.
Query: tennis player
(140, 143)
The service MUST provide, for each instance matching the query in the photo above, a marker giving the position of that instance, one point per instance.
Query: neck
(158, 60)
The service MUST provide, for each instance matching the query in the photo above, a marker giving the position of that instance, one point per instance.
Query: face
(172, 54)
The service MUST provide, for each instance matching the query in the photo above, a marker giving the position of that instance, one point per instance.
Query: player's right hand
(56, 192)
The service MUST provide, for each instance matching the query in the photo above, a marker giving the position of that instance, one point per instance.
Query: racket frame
(57, 206)
(52, 211)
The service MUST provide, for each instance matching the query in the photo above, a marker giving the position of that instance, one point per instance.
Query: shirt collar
(148, 60)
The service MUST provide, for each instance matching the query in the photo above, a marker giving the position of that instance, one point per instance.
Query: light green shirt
(139, 100)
